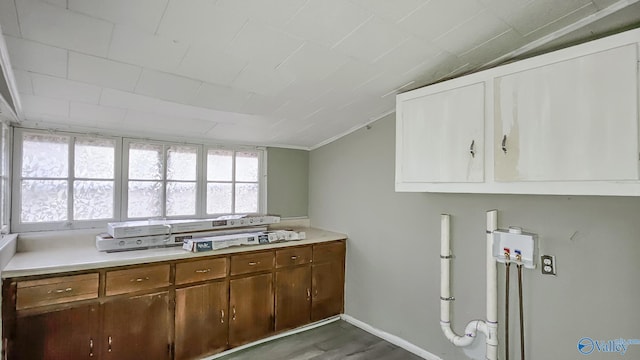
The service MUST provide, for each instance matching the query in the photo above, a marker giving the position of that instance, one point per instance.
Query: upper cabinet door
(575, 120)
(440, 136)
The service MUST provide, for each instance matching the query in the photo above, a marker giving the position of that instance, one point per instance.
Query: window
(162, 180)
(232, 181)
(67, 180)
(63, 180)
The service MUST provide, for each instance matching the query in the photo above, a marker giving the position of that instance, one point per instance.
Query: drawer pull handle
(222, 316)
(504, 144)
(471, 149)
(90, 347)
(203, 271)
(60, 291)
(233, 313)
(294, 257)
(109, 341)
(252, 263)
(308, 294)
(140, 279)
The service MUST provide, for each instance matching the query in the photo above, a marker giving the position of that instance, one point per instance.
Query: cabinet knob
(471, 148)
(504, 144)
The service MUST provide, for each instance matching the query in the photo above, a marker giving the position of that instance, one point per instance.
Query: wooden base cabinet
(137, 328)
(201, 320)
(327, 280)
(63, 334)
(250, 309)
(293, 297)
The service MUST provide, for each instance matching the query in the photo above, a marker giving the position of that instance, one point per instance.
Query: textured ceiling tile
(350, 75)
(327, 21)
(601, 4)
(372, 40)
(143, 14)
(32, 56)
(127, 100)
(58, 3)
(103, 72)
(139, 48)
(263, 43)
(493, 48)
(477, 30)
(220, 98)
(167, 86)
(210, 64)
(23, 81)
(180, 126)
(56, 26)
(57, 88)
(312, 63)
(272, 12)
(9, 18)
(262, 80)
(562, 21)
(411, 53)
(439, 17)
(97, 115)
(35, 106)
(536, 14)
(200, 21)
(391, 10)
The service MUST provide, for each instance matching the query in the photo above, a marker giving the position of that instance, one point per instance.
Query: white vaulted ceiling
(294, 73)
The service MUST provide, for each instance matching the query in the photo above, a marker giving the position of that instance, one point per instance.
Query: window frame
(121, 178)
(16, 191)
(6, 139)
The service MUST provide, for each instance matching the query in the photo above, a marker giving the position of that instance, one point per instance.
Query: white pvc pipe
(492, 289)
(472, 327)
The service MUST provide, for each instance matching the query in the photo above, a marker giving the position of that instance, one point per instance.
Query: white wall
(392, 278)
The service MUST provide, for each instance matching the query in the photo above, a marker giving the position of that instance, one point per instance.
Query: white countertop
(84, 255)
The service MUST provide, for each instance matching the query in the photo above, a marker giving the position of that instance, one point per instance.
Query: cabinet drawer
(137, 279)
(333, 251)
(248, 263)
(56, 290)
(201, 270)
(293, 256)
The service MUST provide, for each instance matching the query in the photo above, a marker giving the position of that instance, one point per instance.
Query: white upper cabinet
(441, 136)
(562, 123)
(574, 120)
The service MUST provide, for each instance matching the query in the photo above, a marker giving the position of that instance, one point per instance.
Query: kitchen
(347, 186)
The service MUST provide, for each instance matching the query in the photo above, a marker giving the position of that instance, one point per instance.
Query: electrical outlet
(548, 264)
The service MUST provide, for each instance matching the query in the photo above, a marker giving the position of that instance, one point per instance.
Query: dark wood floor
(335, 341)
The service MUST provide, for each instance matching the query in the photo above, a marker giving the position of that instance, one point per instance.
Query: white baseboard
(390, 338)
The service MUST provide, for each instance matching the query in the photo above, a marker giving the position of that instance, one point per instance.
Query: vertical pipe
(507, 266)
(492, 288)
(445, 289)
(521, 312)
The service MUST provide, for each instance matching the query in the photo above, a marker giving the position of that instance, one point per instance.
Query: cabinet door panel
(251, 309)
(293, 297)
(201, 320)
(436, 134)
(64, 334)
(136, 328)
(573, 120)
(328, 290)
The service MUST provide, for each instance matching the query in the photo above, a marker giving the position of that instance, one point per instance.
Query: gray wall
(393, 267)
(287, 182)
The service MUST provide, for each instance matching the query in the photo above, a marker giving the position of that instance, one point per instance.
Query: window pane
(94, 158)
(219, 198)
(145, 162)
(246, 166)
(181, 198)
(182, 163)
(92, 200)
(43, 201)
(144, 199)
(246, 198)
(219, 165)
(45, 156)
